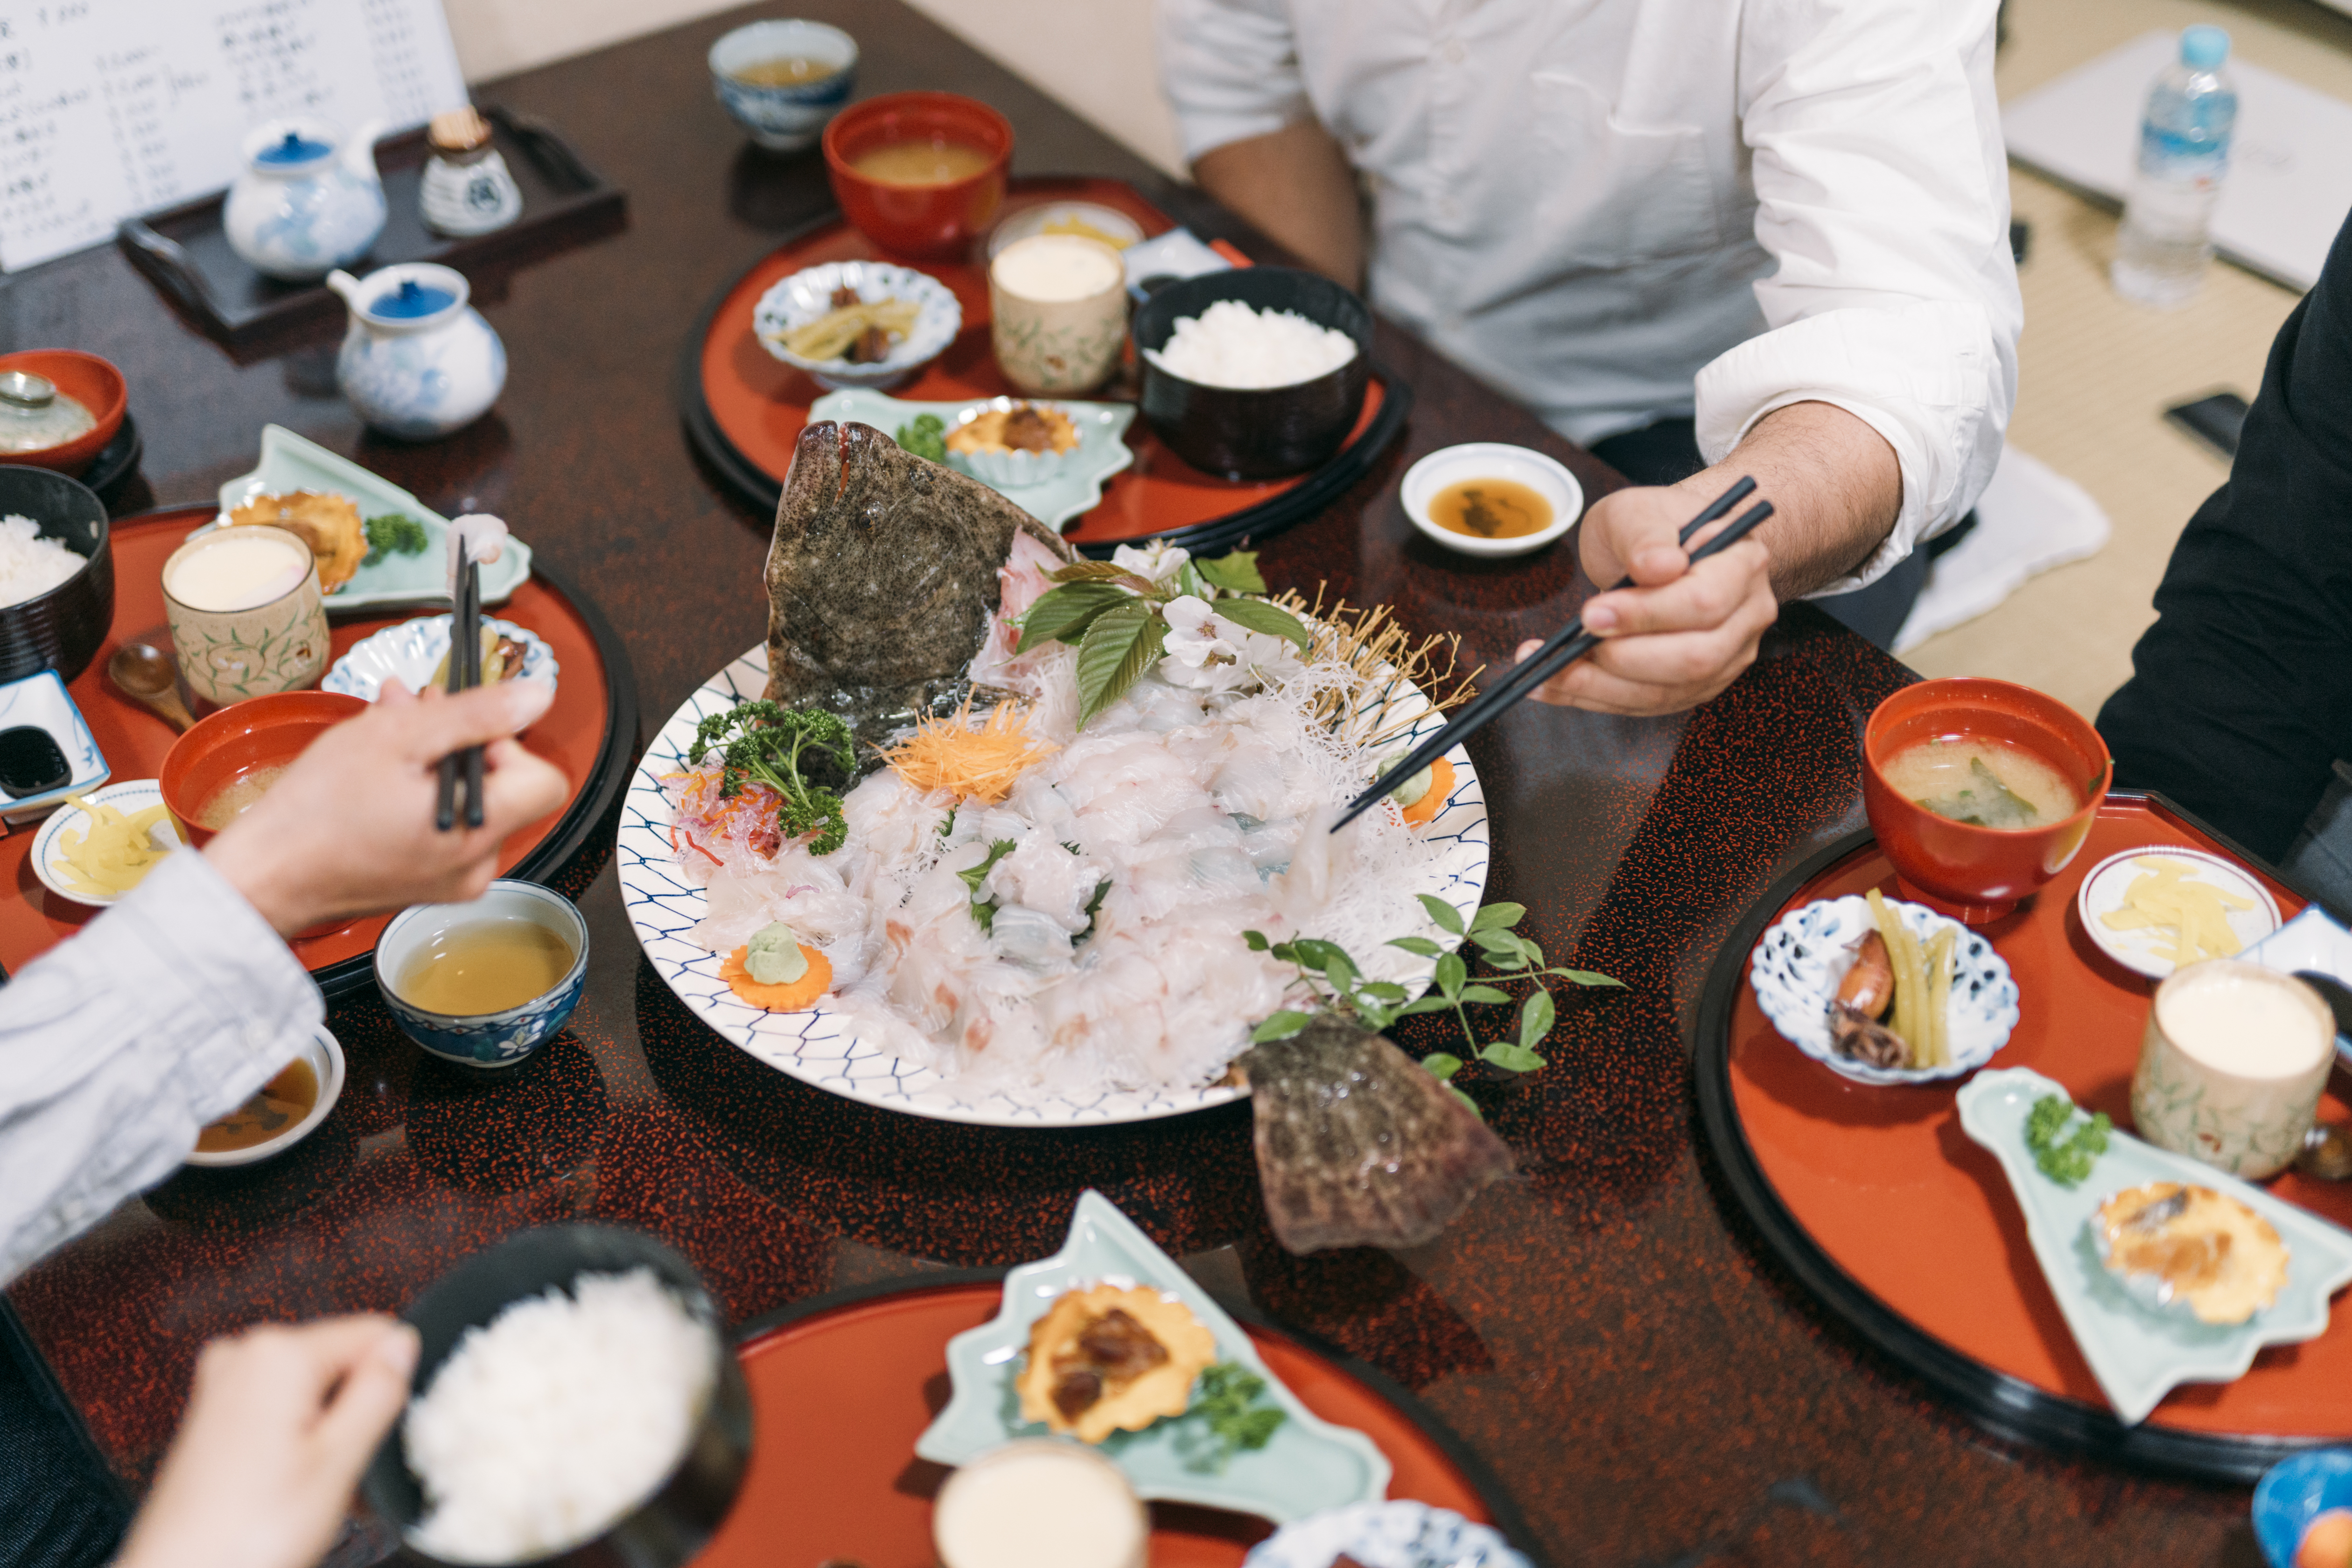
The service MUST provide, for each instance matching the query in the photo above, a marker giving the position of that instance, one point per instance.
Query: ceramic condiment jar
(307, 202)
(418, 362)
(468, 188)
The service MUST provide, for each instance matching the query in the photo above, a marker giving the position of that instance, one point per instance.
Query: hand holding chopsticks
(1566, 646)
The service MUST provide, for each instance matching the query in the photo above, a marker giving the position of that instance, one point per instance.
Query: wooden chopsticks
(465, 674)
(1562, 648)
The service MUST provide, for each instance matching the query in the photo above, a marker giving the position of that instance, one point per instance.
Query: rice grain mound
(544, 1428)
(31, 565)
(1232, 346)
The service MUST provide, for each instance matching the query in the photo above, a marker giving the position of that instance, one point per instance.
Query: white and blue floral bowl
(1798, 966)
(1397, 1535)
(485, 1040)
(409, 652)
(796, 301)
(784, 119)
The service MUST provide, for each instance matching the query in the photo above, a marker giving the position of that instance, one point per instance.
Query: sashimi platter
(988, 833)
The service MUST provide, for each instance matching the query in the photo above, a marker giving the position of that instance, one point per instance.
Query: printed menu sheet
(113, 107)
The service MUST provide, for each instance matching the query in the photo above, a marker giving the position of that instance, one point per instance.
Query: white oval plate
(130, 796)
(796, 301)
(408, 652)
(1797, 965)
(2102, 891)
(818, 1046)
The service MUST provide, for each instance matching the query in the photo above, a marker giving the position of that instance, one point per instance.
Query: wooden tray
(1907, 1230)
(745, 409)
(186, 251)
(843, 1385)
(590, 734)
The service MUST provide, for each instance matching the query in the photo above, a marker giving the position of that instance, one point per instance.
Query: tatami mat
(2096, 372)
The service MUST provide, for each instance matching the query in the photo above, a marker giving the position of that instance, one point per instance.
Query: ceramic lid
(289, 146)
(409, 295)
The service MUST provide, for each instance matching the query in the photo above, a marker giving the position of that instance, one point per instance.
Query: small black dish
(60, 629)
(31, 762)
(669, 1527)
(1265, 433)
(115, 462)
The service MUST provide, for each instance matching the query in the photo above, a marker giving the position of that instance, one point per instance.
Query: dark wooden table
(1601, 1332)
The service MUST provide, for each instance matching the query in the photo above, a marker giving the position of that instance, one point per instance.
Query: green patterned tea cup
(246, 615)
(2232, 1065)
(1057, 313)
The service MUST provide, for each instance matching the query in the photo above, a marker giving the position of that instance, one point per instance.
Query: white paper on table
(109, 108)
(2290, 181)
(2030, 519)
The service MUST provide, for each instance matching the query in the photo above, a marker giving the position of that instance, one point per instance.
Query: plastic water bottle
(2166, 242)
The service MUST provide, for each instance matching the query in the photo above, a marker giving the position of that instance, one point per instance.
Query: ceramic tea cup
(1057, 313)
(2232, 1065)
(255, 627)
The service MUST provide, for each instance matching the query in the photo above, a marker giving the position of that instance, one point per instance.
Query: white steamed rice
(31, 565)
(566, 1412)
(1231, 345)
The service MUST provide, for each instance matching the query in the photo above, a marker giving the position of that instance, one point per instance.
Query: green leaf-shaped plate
(289, 462)
(1076, 490)
(1309, 1466)
(2139, 1353)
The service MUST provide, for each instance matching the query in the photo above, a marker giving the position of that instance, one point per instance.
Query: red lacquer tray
(842, 1389)
(744, 408)
(589, 733)
(1877, 1200)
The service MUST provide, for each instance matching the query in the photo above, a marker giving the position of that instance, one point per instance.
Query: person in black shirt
(2240, 704)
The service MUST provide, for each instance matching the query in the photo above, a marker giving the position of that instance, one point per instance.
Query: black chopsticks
(465, 674)
(1562, 648)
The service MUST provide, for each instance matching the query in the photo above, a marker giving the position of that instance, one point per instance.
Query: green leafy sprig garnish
(393, 533)
(926, 436)
(2065, 1157)
(1116, 620)
(984, 910)
(1335, 982)
(1227, 1404)
(768, 749)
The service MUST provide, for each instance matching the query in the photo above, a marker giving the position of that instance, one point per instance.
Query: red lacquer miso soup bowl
(1973, 873)
(920, 173)
(226, 760)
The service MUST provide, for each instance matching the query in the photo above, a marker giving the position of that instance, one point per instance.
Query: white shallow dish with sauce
(326, 1059)
(408, 652)
(2103, 891)
(129, 797)
(1799, 964)
(1428, 477)
(289, 463)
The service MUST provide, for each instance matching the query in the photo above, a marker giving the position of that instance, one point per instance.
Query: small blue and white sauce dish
(418, 361)
(784, 81)
(483, 984)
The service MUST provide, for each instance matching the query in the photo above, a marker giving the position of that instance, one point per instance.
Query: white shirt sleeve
(116, 1046)
(1883, 193)
(1230, 69)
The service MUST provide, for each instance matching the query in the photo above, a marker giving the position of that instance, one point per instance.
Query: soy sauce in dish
(281, 1103)
(1490, 509)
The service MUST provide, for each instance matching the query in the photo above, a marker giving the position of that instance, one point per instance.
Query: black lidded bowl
(672, 1525)
(60, 629)
(1265, 433)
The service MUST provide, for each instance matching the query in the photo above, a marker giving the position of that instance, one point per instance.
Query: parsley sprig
(2065, 1158)
(1227, 1404)
(769, 748)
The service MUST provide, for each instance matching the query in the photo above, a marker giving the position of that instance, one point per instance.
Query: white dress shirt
(166, 1013)
(1615, 210)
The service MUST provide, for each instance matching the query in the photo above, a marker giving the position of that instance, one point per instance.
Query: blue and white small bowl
(1798, 966)
(410, 651)
(1398, 1534)
(2294, 1493)
(807, 294)
(484, 1039)
(784, 119)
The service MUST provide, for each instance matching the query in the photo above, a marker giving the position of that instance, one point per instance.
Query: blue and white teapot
(301, 209)
(418, 361)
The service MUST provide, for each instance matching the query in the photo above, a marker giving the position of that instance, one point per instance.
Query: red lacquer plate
(841, 1391)
(588, 733)
(744, 408)
(1879, 1202)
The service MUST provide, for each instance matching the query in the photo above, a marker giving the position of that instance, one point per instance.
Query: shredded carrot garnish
(789, 997)
(972, 761)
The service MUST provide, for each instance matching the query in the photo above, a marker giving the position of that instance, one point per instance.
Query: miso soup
(924, 162)
(1988, 784)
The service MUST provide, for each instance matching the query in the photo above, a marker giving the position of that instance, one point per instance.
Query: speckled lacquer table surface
(1601, 1332)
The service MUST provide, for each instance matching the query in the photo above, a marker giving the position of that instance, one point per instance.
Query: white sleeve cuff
(1923, 375)
(1230, 69)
